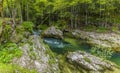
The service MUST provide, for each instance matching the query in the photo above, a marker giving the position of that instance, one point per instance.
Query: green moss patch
(9, 68)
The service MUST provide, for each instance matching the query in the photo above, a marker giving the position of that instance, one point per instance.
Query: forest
(59, 36)
(72, 13)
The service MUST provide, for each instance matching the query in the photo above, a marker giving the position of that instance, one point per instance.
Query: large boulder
(53, 32)
(36, 56)
(103, 40)
(90, 63)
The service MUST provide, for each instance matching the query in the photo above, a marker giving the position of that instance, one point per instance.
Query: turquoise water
(60, 47)
(116, 58)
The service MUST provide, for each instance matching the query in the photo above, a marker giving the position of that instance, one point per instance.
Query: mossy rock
(53, 32)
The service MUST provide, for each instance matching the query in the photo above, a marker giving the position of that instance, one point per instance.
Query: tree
(1, 8)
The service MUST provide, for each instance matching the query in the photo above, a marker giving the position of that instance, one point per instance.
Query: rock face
(89, 62)
(35, 57)
(53, 32)
(105, 40)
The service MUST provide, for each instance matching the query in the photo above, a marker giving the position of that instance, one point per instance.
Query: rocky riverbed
(90, 63)
(104, 40)
(39, 57)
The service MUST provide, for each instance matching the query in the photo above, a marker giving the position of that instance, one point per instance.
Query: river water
(60, 47)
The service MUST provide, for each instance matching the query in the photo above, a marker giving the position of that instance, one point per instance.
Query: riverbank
(48, 52)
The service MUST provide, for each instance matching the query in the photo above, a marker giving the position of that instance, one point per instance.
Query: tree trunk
(1, 8)
(21, 17)
(27, 10)
(9, 8)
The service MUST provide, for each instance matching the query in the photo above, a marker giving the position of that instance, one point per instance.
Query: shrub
(6, 32)
(19, 29)
(28, 26)
(60, 24)
(104, 53)
(90, 28)
(42, 27)
(8, 52)
(102, 29)
(115, 28)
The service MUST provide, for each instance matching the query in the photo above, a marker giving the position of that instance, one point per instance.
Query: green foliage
(102, 29)
(90, 28)
(6, 32)
(104, 53)
(19, 29)
(0, 22)
(61, 24)
(68, 12)
(115, 29)
(42, 27)
(8, 52)
(28, 26)
(9, 68)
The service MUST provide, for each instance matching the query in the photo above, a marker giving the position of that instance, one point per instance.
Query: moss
(71, 41)
(51, 54)
(65, 66)
(114, 71)
(10, 68)
(87, 60)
